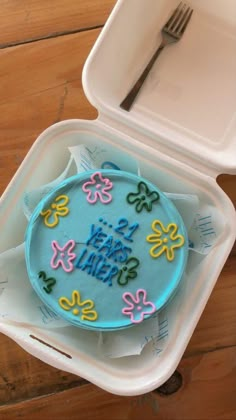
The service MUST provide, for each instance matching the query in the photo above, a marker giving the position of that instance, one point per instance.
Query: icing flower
(128, 272)
(143, 198)
(97, 188)
(58, 208)
(137, 306)
(49, 281)
(86, 313)
(63, 255)
(165, 239)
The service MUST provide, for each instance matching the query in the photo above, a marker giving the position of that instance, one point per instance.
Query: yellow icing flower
(58, 208)
(86, 313)
(165, 239)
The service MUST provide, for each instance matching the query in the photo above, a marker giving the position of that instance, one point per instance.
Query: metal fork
(171, 32)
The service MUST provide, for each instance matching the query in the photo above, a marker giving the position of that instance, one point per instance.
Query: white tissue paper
(204, 229)
(18, 301)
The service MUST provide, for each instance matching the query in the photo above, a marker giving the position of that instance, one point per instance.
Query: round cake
(106, 249)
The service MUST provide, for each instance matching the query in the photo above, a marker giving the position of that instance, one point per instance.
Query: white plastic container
(182, 129)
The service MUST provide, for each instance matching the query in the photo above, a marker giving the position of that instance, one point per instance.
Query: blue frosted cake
(106, 250)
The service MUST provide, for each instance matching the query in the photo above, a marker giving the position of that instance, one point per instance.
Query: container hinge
(140, 140)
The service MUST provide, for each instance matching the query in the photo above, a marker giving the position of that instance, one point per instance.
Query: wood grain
(227, 183)
(208, 392)
(40, 84)
(23, 377)
(46, 89)
(24, 21)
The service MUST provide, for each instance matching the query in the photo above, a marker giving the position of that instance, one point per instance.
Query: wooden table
(44, 45)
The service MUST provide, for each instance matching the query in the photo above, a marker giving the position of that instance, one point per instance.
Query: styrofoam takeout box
(182, 131)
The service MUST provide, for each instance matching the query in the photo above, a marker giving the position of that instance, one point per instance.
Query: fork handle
(130, 97)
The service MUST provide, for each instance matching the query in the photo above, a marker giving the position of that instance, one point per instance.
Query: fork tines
(178, 21)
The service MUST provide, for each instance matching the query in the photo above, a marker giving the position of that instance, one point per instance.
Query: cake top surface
(106, 249)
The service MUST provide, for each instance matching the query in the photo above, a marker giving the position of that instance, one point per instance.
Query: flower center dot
(75, 311)
(165, 240)
(139, 308)
(98, 186)
(54, 206)
(62, 254)
(143, 197)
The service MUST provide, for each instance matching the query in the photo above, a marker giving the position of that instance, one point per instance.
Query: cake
(106, 249)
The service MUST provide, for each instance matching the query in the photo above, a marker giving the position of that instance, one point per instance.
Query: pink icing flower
(63, 255)
(97, 188)
(137, 306)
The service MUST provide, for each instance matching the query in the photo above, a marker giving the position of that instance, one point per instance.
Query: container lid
(188, 101)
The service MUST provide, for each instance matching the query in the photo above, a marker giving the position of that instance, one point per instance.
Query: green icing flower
(143, 198)
(128, 271)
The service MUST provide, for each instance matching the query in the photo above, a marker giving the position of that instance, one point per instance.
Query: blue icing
(96, 241)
